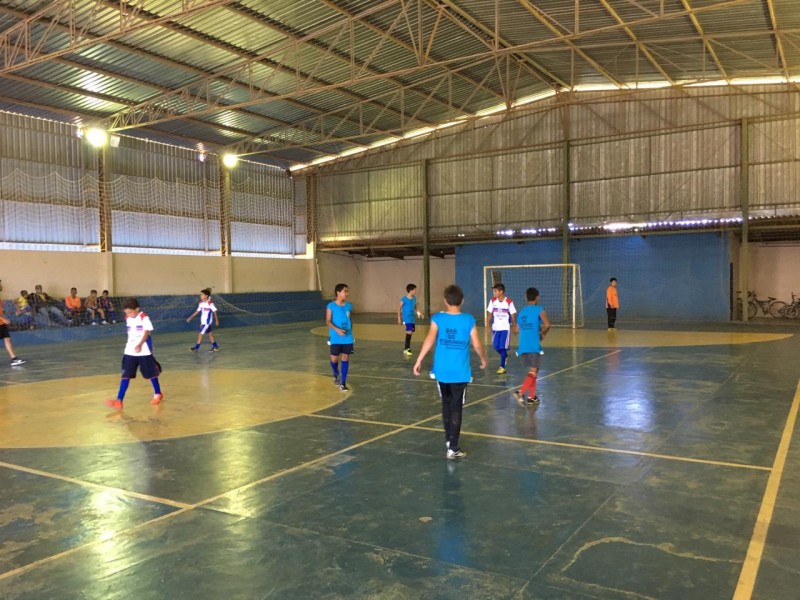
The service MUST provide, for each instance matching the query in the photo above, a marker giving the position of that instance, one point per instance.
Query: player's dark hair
(339, 287)
(131, 303)
(410, 287)
(23, 293)
(612, 279)
(453, 295)
(105, 291)
(531, 294)
(92, 291)
(499, 286)
(206, 291)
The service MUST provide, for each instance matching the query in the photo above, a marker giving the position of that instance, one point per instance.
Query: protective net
(559, 288)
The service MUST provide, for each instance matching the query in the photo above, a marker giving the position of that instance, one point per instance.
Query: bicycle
(792, 311)
(769, 307)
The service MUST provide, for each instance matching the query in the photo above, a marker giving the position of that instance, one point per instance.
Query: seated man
(46, 306)
(93, 308)
(24, 311)
(107, 304)
(74, 310)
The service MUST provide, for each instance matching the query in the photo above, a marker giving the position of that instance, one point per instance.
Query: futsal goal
(559, 287)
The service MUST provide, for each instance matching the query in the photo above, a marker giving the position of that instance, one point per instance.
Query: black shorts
(146, 364)
(4, 331)
(337, 349)
(531, 360)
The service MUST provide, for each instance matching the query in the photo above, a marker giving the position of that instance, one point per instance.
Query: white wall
(149, 274)
(376, 284)
(775, 270)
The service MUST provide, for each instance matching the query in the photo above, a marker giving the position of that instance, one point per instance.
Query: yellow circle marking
(71, 412)
(584, 338)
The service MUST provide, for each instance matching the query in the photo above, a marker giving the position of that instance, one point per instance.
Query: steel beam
(706, 43)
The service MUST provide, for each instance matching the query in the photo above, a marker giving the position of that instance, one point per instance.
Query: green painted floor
(641, 475)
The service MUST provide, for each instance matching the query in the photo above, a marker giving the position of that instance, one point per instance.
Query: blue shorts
(337, 349)
(500, 340)
(410, 327)
(146, 364)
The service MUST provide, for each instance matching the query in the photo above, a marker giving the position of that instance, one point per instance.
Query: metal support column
(744, 193)
(224, 210)
(566, 216)
(426, 251)
(104, 201)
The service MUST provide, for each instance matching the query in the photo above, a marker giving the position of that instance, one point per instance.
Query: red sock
(529, 381)
(532, 386)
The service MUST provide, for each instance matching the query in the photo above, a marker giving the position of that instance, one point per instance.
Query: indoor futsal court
(257, 478)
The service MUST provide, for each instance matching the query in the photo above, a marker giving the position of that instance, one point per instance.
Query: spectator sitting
(93, 308)
(24, 311)
(46, 306)
(107, 304)
(74, 306)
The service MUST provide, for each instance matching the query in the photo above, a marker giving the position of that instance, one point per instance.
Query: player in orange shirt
(612, 303)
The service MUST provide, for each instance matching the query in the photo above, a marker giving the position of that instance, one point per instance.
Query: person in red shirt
(612, 303)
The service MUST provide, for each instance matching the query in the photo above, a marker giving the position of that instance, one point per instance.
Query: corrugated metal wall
(162, 197)
(651, 156)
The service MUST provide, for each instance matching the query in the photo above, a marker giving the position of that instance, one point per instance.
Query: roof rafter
(709, 48)
(544, 20)
(168, 62)
(778, 38)
(21, 45)
(498, 43)
(639, 45)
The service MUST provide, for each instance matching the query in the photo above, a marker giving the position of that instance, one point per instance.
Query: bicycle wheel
(776, 309)
(752, 309)
(791, 312)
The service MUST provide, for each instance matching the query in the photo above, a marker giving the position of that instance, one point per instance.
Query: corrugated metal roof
(266, 77)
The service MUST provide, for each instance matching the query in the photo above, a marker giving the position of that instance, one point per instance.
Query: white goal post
(559, 288)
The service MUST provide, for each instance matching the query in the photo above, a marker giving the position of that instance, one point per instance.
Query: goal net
(559, 288)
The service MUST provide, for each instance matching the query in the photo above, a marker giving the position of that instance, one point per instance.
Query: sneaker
(157, 398)
(519, 396)
(344, 387)
(454, 454)
(17, 361)
(104, 322)
(534, 400)
(115, 404)
(214, 349)
(407, 352)
(194, 348)
(94, 323)
(501, 370)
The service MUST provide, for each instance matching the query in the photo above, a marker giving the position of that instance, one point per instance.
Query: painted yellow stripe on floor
(752, 562)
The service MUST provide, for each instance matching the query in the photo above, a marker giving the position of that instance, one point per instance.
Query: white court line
(755, 551)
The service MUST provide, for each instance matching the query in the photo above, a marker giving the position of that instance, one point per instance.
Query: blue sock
(156, 386)
(214, 345)
(196, 346)
(123, 387)
(345, 367)
(503, 356)
(335, 367)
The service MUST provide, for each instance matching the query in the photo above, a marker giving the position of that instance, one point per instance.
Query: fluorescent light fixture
(230, 160)
(96, 137)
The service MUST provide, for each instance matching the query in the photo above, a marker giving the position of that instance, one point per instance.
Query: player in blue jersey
(452, 332)
(533, 326)
(207, 312)
(340, 338)
(407, 314)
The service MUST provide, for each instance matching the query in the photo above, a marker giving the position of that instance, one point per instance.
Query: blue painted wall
(680, 277)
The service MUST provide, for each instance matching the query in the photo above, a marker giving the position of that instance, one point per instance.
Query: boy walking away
(407, 314)
(137, 354)
(5, 335)
(533, 326)
(340, 338)
(502, 316)
(612, 303)
(206, 309)
(452, 332)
